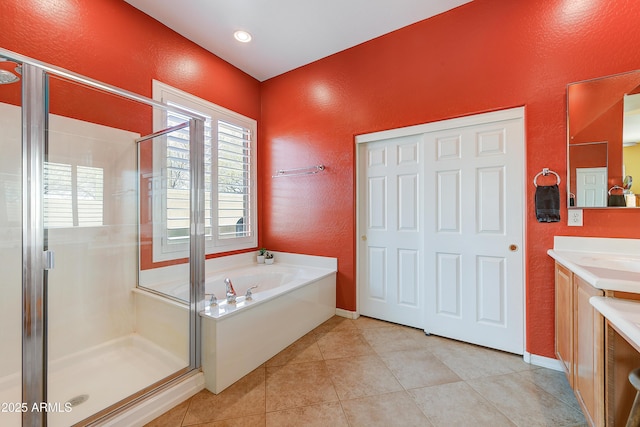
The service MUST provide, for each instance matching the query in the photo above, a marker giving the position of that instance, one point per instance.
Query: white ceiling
(286, 33)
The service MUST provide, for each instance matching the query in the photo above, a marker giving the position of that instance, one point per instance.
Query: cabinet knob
(513, 248)
(364, 237)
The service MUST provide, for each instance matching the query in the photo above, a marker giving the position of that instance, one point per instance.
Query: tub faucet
(231, 293)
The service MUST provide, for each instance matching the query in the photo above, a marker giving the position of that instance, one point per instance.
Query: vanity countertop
(623, 315)
(604, 263)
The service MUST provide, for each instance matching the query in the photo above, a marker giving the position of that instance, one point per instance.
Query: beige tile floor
(367, 372)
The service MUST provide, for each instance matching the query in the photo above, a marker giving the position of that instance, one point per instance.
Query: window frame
(163, 249)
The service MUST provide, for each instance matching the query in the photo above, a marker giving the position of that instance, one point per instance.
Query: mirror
(604, 142)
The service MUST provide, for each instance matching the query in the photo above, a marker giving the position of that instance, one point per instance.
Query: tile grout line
(489, 401)
(566, 404)
(187, 411)
(324, 362)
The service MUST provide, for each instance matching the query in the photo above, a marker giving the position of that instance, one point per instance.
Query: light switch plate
(575, 217)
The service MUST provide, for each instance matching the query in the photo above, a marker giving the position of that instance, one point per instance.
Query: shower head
(7, 77)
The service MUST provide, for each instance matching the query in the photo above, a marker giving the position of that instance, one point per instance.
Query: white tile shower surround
(367, 372)
(107, 374)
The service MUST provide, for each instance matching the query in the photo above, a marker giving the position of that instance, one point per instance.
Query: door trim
(471, 120)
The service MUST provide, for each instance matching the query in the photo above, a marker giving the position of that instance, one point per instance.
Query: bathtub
(265, 283)
(262, 278)
(291, 297)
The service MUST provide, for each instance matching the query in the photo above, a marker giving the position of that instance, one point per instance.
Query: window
(73, 195)
(230, 196)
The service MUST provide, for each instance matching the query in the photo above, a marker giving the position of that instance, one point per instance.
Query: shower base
(94, 379)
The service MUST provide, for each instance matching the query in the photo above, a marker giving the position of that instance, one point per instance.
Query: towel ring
(615, 187)
(545, 172)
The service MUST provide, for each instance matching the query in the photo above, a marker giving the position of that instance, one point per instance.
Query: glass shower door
(107, 341)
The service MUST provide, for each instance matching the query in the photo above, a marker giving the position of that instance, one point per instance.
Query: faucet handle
(213, 300)
(249, 294)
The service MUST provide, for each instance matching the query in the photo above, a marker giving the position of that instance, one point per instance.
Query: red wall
(486, 55)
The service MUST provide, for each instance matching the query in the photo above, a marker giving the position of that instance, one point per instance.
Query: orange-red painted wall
(486, 55)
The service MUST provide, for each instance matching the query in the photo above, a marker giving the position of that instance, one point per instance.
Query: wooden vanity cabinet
(589, 353)
(580, 342)
(564, 320)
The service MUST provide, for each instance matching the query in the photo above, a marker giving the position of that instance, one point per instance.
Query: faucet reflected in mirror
(603, 149)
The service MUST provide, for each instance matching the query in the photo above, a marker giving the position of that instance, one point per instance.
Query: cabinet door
(588, 353)
(564, 320)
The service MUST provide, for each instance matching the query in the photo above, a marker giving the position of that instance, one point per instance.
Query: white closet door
(441, 228)
(391, 267)
(474, 277)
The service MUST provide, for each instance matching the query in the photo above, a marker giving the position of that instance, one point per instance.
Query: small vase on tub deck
(268, 258)
(261, 253)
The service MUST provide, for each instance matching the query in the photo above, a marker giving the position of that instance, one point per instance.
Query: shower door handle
(49, 260)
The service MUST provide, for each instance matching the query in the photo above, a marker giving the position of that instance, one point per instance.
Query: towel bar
(615, 187)
(309, 170)
(545, 172)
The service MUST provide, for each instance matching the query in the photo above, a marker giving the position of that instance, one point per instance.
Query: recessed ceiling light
(242, 36)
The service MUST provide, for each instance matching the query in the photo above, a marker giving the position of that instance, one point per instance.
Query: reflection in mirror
(631, 142)
(588, 174)
(602, 115)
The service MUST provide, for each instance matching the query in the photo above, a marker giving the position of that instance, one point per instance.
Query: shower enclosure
(79, 342)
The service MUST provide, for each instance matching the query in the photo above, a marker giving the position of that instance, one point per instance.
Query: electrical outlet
(575, 217)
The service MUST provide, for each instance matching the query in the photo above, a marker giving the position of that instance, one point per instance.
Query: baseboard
(346, 313)
(542, 361)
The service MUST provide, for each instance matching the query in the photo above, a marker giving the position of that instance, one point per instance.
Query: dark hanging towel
(547, 203)
(616, 200)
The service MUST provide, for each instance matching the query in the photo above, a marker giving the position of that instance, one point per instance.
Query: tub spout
(231, 293)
